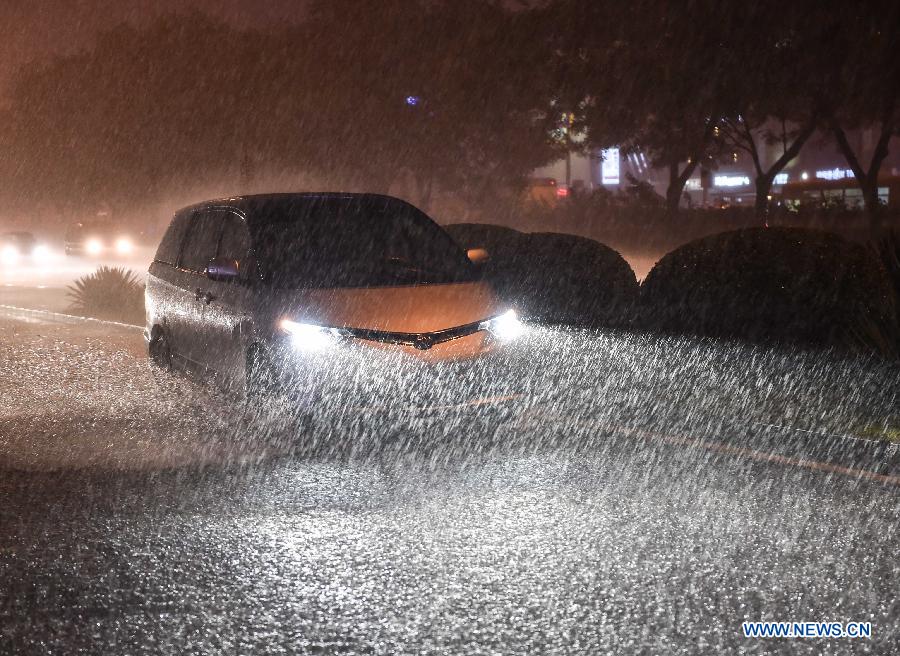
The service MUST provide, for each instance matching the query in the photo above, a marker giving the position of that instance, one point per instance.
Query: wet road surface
(148, 514)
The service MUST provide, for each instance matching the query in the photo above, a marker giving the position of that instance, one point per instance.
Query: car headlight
(310, 337)
(505, 327)
(123, 246)
(9, 254)
(93, 246)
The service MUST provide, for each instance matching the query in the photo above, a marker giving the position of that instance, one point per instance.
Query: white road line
(723, 447)
(59, 317)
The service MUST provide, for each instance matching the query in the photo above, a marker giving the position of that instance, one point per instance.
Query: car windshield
(354, 242)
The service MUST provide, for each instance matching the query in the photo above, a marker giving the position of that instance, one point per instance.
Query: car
(16, 245)
(95, 238)
(271, 291)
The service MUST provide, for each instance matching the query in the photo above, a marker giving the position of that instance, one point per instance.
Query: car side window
(170, 246)
(200, 245)
(235, 242)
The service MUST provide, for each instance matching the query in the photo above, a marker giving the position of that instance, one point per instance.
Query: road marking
(843, 436)
(762, 456)
(752, 454)
(59, 317)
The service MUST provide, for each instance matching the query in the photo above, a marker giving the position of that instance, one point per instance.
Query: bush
(555, 277)
(775, 284)
(110, 293)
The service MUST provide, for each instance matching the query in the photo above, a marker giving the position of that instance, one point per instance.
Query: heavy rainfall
(449, 326)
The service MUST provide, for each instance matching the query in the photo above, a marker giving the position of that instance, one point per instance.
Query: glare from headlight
(40, 252)
(9, 254)
(123, 246)
(309, 337)
(93, 246)
(505, 327)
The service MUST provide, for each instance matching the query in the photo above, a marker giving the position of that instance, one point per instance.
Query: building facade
(820, 172)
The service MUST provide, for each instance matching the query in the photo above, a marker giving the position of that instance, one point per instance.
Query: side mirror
(478, 255)
(223, 269)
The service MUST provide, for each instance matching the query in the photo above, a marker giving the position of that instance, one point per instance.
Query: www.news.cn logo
(807, 630)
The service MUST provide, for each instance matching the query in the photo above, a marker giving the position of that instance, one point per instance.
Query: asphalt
(624, 503)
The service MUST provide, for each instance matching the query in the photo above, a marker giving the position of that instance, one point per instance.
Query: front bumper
(467, 372)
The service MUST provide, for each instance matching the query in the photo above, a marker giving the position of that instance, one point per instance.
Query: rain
(449, 327)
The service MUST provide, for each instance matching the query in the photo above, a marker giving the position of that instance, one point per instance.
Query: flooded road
(145, 513)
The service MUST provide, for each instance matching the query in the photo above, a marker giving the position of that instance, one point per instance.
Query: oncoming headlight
(310, 337)
(9, 254)
(505, 327)
(93, 246)
(124, 246)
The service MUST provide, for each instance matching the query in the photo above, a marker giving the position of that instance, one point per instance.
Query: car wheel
(160, 351)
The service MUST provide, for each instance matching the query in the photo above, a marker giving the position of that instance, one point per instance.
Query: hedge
(554, 277)
(773, 284)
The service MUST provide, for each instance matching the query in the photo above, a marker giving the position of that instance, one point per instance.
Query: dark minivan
(257, 288)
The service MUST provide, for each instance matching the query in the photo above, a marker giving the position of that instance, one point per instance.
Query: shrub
(555, 277)
(775, 284)
(110, 293)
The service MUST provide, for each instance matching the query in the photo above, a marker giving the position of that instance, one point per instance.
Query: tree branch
(844, 145)
(881, 147)
(794, 149)
(754, 152)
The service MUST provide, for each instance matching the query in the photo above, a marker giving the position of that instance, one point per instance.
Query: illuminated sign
(731, 180)
(693, 184)
(609, 168)
(834, 174)
(781, 179)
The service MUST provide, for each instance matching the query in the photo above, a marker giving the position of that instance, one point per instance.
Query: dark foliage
(419, 87)
(888, 251)
(110, 293)
(773, 285)
(555, 277)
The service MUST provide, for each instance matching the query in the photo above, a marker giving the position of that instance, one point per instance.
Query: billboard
(609, 167)
(731, 180)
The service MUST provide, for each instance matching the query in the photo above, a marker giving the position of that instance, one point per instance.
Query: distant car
(97, 238)
(17, 245)
(263, 288)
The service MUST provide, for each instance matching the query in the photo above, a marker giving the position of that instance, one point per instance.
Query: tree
(860, 87)
(745, 132)
(770, 99)
(644, 77)
(446, 93)
(141, 113)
